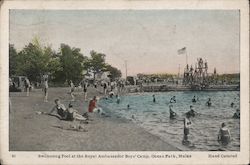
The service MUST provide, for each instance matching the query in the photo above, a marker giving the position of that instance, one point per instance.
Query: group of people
(224, 135)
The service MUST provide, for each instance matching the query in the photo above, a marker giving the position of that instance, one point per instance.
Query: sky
(147, 39)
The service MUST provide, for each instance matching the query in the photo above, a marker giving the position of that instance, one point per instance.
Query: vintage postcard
(124, 82)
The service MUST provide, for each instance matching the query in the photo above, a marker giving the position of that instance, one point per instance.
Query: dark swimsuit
(61, 112)
(70, 116)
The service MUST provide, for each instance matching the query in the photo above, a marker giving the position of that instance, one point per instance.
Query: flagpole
(186, 57)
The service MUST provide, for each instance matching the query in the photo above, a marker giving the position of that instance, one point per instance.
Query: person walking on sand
(85, 86)
(27, 86)
(92, 104)
(187, 124)
(45, 89)
(72, 89)
(105, 88)
(224, 135)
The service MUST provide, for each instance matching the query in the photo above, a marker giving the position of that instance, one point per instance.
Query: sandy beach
(30, 131)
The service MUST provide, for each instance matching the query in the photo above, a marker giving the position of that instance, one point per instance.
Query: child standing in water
(187, 124)
(172, 113)
(154, 100)
(224, 135)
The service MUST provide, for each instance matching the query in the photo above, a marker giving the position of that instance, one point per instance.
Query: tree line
(68, 63)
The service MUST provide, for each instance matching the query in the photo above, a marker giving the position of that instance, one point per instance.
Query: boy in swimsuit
(224, 135)
(192, 113)
(61, 110)
(27, 86)
(92, 104)
(194, 100)
(171, 112)
(173, 100)
(72, 89)
(209, 103)
(45, 89)
(154, 100)
(187, 124)
(236, 114)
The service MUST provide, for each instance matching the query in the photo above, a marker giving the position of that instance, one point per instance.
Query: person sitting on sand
(191, 113)
(173, 100)
(224, 135)
(60, 108)
(194, 99)
(73, 114)
(92, 104)
(172, 113)
(187, 124)
(209, 103)
(154, 100)
(236, 114)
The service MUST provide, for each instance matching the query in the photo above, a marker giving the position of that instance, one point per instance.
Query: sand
(30, 131)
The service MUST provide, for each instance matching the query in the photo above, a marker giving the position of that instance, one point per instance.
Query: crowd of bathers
(224, 135)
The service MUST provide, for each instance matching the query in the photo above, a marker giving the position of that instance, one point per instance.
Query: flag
(182, 50)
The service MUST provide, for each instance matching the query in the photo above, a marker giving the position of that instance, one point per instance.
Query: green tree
(114, 72)
(12, 60)
(32, 62)
(96, 64)
(72, 63)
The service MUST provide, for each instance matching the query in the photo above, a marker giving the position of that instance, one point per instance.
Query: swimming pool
(154, 117)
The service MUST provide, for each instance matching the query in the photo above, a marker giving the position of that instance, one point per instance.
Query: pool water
(154, 117)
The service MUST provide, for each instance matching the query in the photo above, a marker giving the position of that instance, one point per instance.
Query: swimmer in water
(224, 135)
(118, 99)
(173, 100)
(194, 99)
(191, 113)
(237, 114)
(172, 113)
(209, 103)
(233, 104)
(187, 125)
(154, 100)
(128, 106)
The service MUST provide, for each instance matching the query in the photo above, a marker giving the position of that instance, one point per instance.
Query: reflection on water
(154, 117)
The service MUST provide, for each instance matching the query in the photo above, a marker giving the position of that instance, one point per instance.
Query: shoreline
(32, 132)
